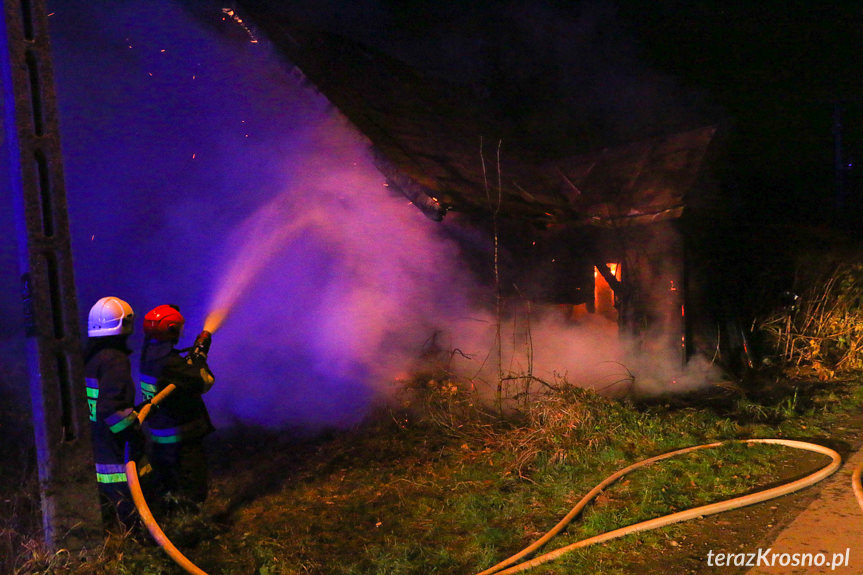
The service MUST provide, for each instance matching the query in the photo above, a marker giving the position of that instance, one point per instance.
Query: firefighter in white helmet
(177, 427)
(111, 399)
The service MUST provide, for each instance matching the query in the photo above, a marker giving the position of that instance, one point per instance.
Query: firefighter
(177, 426)
(111, 399)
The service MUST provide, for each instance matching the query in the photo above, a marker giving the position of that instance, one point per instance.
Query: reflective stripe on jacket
(111, 398)
(148, 387)
(182, 415)
(116, 472)
(191, 430)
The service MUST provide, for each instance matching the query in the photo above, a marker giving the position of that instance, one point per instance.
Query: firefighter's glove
(207, 378)
(133, 438)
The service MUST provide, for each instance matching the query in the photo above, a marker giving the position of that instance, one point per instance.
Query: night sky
(779, 70)
(580, 75)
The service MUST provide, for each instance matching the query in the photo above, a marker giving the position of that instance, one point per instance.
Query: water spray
(255, 253)
(214, 320)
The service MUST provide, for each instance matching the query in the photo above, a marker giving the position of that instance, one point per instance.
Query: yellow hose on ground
(857, 486)
(141, 503)
(710, 509)
(678, 517)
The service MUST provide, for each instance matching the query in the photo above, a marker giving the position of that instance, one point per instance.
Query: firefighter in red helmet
(178, 425)
(111, 399)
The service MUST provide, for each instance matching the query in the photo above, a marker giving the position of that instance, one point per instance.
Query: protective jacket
(178, 424)
(182, 415)
(113, 420)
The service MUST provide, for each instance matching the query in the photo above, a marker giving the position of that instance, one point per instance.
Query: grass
(438, 485)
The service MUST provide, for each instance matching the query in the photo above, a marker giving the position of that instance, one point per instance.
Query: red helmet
(164, 323)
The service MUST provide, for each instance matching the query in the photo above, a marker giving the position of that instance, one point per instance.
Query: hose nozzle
(201, 346)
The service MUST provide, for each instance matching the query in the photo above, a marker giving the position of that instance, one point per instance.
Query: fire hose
(680, 516)
(506, 566)
(856, 485)
(141, 503)
(199, 349)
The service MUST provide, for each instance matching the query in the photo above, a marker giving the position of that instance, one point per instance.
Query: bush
(821, 330)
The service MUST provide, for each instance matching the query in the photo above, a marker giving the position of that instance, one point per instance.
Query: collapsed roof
(451, 142)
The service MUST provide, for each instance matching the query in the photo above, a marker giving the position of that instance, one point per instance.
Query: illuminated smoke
(200, 173)
(333, 287)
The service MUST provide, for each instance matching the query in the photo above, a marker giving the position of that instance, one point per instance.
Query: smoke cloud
(331, 288)
(201, 172)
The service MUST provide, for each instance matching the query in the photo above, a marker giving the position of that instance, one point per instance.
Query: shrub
(821, 330)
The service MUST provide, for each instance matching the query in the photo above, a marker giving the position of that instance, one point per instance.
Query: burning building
(583, 228)
(569, 163)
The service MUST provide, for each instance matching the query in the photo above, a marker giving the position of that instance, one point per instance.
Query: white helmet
(110, 316)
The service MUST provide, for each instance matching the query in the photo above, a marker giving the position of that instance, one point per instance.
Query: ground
(750, 528)
(284, 505)
(740, 530)
(677, 550)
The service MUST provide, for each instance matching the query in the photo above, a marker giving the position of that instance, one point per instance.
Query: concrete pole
(67, 485)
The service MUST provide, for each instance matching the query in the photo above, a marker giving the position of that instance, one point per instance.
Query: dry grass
(439, 483)
(445, 481)
(821, 330)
